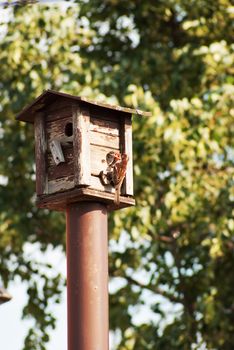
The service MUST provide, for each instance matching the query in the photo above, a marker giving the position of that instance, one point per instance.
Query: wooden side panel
(108, 127)
(81, 144)
(61, 184)
(56, 129)
(128, 150)
(59, 114)
(98, 159)
(105, 113)
(126, 147)
(61, 176)
(110, 131)
(58, 103)
(104, 137)
(40, 154)
(97, 185)
(63, 169)
(104, 140)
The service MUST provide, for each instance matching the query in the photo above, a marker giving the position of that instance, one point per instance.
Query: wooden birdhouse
(73, 139)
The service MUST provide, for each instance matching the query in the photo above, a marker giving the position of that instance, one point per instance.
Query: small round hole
(68, 129)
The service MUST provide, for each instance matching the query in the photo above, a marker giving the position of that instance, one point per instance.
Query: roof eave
(26, 114)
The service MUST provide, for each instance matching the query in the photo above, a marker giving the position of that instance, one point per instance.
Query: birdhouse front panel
(83, 149)
(104, 138)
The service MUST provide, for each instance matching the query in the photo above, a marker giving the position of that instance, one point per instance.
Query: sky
(13, 329)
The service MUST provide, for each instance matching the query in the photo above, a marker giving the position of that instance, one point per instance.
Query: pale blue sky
(13, 329)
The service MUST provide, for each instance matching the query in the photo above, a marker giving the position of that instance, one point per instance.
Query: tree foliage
(174, 251)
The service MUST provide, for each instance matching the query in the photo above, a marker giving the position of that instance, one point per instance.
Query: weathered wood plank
(98, 158)
(97, 138)
(56, 129)
(81, 144)
(105, 114)
(127, 148)
(67, 152)
(60, 201)
(63, 169)
(40, 154)
(52, 97)
(59, 103)
(97, 185)
(57, 152)
(60, 185)
(59, 114)
(104, 126)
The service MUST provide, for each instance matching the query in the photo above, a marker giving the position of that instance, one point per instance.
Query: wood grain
(55, 130)
(108, 127)
(60, 201)
(97, 138)
(53, 98)
(105, 113)
(97, 185)
(59, 103)
(81, 144)
(61, 184)
(98, 158)
(63, 169)
(40, 154)
(59, 114)
(127, 146)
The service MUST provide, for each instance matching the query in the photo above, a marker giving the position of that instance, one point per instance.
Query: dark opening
(68, 129)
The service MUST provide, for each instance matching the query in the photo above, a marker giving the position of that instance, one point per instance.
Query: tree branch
(155, 290)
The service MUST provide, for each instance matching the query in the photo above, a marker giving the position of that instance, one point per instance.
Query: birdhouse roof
(50, 96)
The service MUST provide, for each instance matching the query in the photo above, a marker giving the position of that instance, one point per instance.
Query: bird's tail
(117, 195)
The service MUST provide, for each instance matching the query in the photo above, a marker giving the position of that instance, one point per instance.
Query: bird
(119, 172)
(112, 158)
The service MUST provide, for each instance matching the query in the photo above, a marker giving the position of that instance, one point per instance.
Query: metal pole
(87, 276)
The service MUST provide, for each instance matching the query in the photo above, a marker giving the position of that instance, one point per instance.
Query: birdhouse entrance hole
(68, 129)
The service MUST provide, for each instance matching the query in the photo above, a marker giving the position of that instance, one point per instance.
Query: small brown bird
(119, 172)
(106, 176)
(113, 157)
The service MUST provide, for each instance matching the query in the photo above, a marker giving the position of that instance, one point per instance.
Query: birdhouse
(75, 141)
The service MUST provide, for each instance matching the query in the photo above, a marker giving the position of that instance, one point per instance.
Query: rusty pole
(87, 276)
